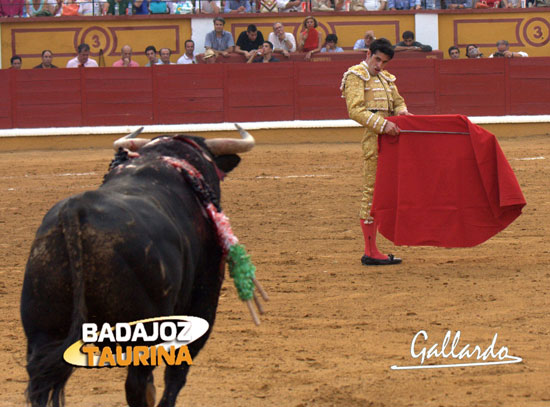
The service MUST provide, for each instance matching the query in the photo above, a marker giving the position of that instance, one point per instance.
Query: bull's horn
(221, 146)
(130, 142)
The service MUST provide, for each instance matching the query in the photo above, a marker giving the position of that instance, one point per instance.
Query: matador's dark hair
(383, 45)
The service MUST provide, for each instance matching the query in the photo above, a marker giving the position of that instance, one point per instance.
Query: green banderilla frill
(242, 271)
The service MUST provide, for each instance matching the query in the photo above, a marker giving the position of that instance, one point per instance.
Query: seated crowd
(36, 8)
(253, 47)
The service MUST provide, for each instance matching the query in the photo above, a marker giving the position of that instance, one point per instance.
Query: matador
(371, 96)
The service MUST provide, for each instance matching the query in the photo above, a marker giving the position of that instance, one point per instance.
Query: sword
(433, 132)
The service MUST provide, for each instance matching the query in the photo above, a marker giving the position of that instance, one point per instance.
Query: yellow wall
(29, 37)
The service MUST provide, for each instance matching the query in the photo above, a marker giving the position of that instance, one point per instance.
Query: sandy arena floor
(333, 327)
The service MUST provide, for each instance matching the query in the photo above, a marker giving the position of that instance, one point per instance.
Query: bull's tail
(47, 370)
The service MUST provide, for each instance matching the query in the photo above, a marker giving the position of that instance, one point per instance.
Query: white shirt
(282, 3)
(184, 60)
(87, 7)
(277, 44)
(75, 63)
(206, 7)
(372, 5)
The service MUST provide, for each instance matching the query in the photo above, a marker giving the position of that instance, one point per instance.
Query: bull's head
(219, 147)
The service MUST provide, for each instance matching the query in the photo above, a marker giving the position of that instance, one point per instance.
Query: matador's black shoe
(370, 261)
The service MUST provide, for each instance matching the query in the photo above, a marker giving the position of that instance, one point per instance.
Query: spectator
(165, 54)
(321, 5)
(189, 56)
(283, 43)
(237, 6)
(363, 44)
(158, 7)
(126, 58)
(309, 39)
(289, 5)
(151, 54)
(210, 56)
(118, 7)
(141, 7)
(207, 7)
(69, 8)
(503, 51)
(41, 8)
(454, 52)
(249, 40)
(431, 4)
(181, 7)
(472, 51)
(268, 6)
(357, 5)
(490, 3)
(370, 5)
(404, 5)
(11, 8)
(331, 44)
(47, 57)
(83, 58)
(219, 40)
(264, 55)
(16, 62)
(542, 3)
(458, 4)
(90, 8)
(409, 44)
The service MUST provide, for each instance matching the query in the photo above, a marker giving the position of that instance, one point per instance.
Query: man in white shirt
(503, 51)
(83, 58)
(189, 56)
(363, 44)
(208, 7)
(289, 5)
(283, 43)
(165, 54)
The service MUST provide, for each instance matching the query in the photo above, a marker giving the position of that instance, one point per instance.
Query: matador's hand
(391, 129)
(404, 113)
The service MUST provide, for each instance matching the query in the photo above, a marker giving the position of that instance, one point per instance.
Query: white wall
(199, 28)
(427, 29)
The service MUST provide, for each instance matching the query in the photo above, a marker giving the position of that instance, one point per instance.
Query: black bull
(140, 246)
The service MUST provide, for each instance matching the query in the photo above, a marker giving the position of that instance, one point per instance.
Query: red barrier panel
(47, 98)
(259, 92)
(188, 94)
(529, 84)
(6, 99)
(318, 93)
(416, 81)
(473, 87)
(215, 93)
(117, 96)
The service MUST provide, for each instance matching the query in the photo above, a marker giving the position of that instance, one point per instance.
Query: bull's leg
(204, 306)
(140, 386)
(174, 379)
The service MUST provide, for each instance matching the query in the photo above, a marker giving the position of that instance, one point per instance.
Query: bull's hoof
(150, 393)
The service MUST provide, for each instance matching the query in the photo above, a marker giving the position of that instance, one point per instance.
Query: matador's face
(376, 62)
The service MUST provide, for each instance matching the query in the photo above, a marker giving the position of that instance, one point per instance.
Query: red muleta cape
(449, 190)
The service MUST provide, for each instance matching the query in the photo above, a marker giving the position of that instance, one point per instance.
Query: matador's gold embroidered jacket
(371, 98)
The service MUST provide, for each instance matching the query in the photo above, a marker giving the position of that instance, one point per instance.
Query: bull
(140, 246)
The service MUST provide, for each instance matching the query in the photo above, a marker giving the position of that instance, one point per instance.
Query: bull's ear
(227, 162)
